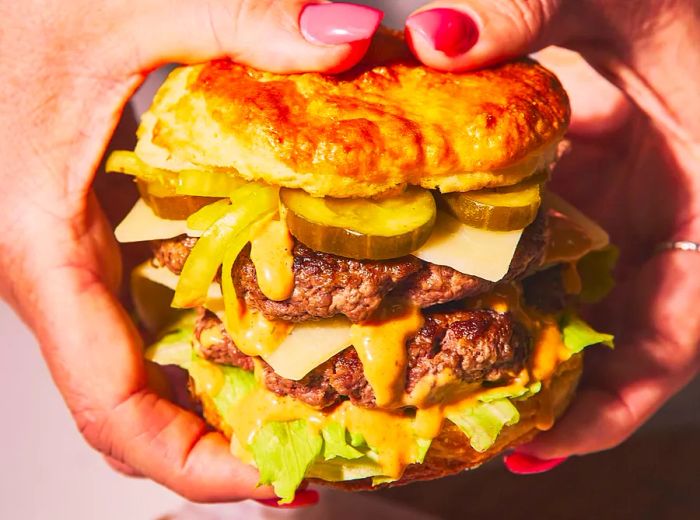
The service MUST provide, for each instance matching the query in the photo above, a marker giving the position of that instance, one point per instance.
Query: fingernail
(522, 464)
(448, 30)
(333, 24)
(304, 497)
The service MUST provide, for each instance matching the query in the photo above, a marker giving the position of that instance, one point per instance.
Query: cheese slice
(141, 224)
(571, 233)
(165, 277)
(472, 251)
(308, 345)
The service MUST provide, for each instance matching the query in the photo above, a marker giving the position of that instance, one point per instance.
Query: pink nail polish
(522, 464)
(334, 24)
(303, 498)
(448, 30)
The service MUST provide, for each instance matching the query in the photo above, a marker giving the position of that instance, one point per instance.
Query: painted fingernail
(333, 24)
(522, 464)
(448, 30)
(304, 497)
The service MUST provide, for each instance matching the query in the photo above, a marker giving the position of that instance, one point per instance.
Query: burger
(367, 279)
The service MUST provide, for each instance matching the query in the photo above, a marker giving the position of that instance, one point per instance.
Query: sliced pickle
(173, 207)
(361, 228)
(498, 209)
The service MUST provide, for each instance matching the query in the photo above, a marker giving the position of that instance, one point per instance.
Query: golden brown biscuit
(389, 122)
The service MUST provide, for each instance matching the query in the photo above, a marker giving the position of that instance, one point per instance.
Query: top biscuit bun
(388, 122)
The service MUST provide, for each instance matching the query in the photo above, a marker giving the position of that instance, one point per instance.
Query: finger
(597, 106)
(95, 356)
(274, 35)
(122, 468)
(659, 353)
(464, 34)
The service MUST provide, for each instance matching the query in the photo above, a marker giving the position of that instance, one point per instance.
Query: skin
(68, 68)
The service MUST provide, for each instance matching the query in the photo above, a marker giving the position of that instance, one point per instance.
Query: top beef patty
(326, 285)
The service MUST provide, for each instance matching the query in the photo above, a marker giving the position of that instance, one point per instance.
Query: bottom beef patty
(477, 345)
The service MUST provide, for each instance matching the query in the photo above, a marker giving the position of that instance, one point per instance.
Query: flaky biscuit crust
(389, 122)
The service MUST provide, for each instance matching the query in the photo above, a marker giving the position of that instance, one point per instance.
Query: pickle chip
(498, 209)
(361, 228)
(170, 206)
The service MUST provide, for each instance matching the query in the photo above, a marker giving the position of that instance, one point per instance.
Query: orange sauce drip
(271, 253)
(381, 346)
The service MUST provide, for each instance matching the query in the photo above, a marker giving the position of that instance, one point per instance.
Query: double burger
(370, 283)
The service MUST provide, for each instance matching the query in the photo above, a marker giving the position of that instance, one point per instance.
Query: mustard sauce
(381, 346)
(271, 253)
(255, 335)
(549, 351)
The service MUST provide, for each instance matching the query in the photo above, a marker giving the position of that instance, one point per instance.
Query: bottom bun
(450, 452)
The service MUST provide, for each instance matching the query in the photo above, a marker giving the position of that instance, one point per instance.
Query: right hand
(67, 69)
(634, 166)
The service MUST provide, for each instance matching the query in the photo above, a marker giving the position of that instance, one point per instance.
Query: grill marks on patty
(326, 285)
(476, 345)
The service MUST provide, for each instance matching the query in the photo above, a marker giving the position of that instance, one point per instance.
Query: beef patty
(326, 285)
(477, 345)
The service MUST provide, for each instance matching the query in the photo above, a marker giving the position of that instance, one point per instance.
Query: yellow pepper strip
(205, 217)
(205, 258)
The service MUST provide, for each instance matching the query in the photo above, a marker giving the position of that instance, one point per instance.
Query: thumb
(273, 35)
(464, 34)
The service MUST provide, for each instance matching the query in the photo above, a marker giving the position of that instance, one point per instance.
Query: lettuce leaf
(237, 383)
(595, 270)
(283, 452)
(519, 394)
(577, 334)
(338, 469)
(482, 422)
(174, 346)
(335, 443)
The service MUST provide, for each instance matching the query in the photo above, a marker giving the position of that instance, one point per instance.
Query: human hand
(68, 68)
(634, 165)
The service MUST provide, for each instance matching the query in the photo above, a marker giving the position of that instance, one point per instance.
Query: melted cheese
(392, 433)
(141, 224)
(486, 254)
(255, 335)
(271, 254)
(166, 278)
(571, 233)
(309, 345)
(381, 346)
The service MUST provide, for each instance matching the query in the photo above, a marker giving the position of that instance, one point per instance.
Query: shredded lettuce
(595, 270)
(482, 422)
(283, 452)
(577, 334)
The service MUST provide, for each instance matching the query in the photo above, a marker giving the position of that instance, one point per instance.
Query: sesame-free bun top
(388, 122)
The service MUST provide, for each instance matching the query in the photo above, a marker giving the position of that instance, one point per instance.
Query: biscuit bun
(387, 123)
(450, 452)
